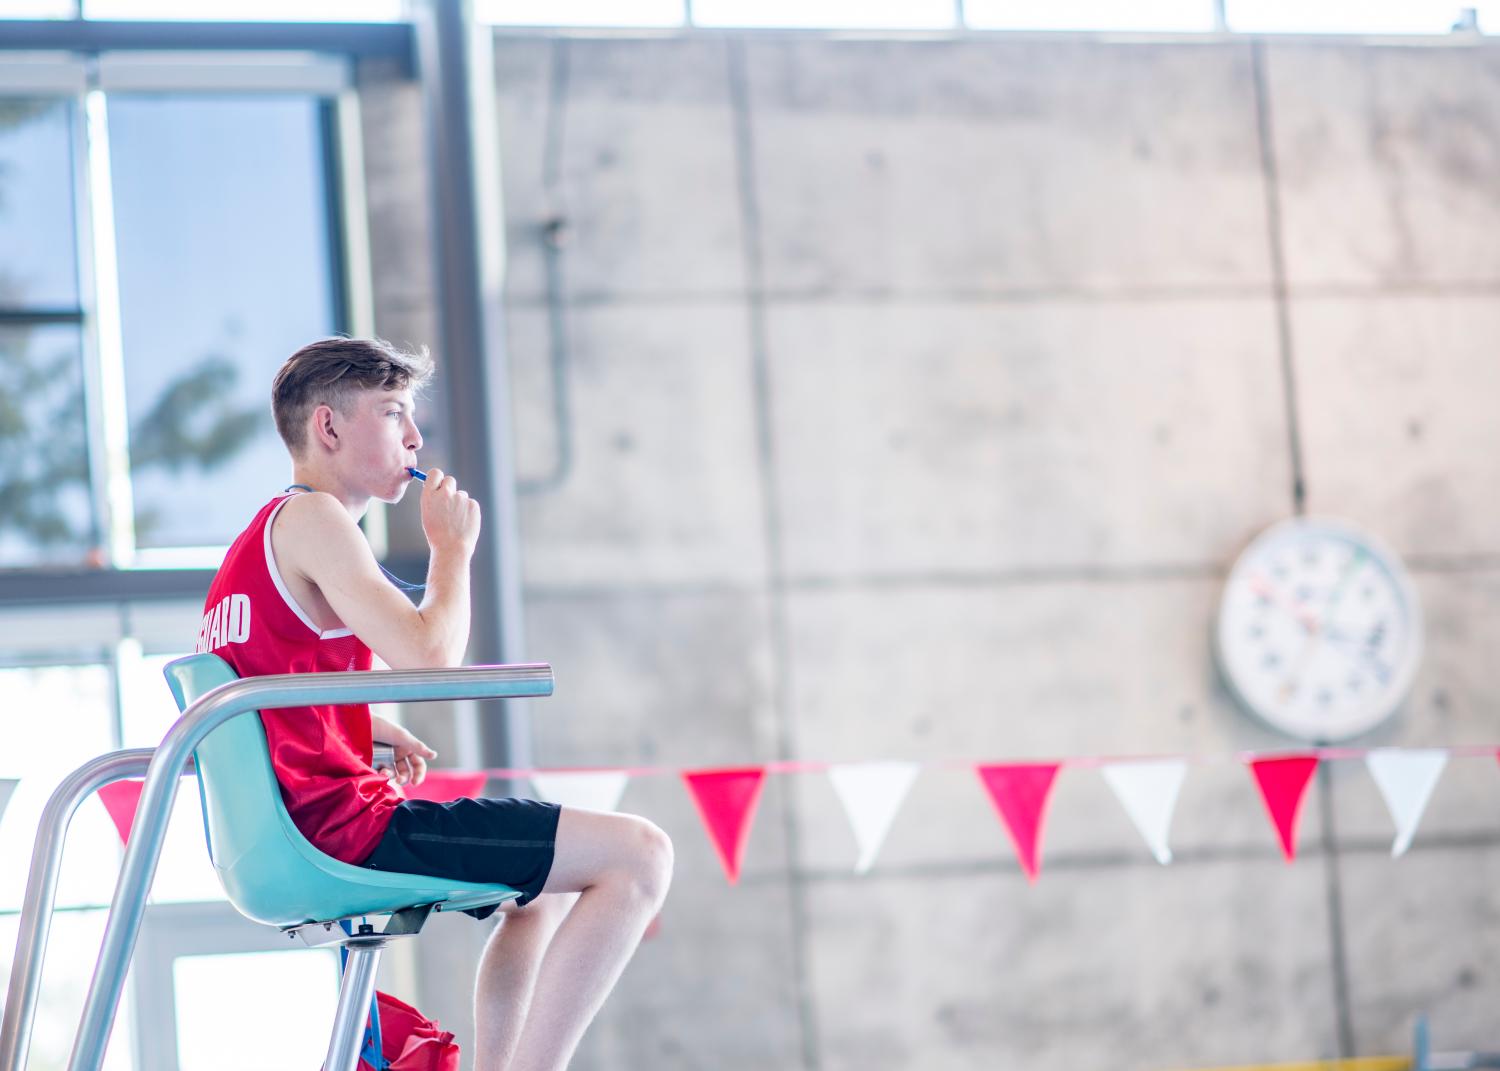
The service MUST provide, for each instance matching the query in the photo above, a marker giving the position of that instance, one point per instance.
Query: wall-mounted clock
(1319, 630)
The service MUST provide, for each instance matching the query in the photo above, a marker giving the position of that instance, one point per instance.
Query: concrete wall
(920, 394)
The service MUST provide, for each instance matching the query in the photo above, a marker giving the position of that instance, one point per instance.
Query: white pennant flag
(591, 790)
(7, 786)
(872, 793)
(1406, 778)
(1148, 792)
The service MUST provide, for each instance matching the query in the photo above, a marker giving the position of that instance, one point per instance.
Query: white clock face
(1319, 630)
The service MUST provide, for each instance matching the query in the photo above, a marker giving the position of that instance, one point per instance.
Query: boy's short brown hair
(331, 371)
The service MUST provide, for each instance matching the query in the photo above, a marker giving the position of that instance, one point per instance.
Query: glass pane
(901, 14)
(72, 948)
(39, 265)
(581, 12)
(1154, 16)
(37, 9)
(53, 719)
(225, 269)
(225, 1002)
(1350, 16)
(185, 873)
(46, 506)
(249, 10)
(1342, 16)
(147, 711)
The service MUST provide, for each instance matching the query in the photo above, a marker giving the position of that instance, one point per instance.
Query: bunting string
(1147, 787)
(792, 766)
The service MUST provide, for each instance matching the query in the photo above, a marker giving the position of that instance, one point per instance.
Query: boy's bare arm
(323, 544)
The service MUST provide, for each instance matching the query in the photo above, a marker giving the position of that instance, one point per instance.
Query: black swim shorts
(488, 841)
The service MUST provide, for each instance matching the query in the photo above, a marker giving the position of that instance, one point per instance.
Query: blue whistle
(417, 474)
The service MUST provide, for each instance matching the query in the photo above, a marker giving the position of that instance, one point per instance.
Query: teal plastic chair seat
(269, 870)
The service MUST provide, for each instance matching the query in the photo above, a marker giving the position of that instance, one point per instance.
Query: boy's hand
(411, 754)
(450, 518)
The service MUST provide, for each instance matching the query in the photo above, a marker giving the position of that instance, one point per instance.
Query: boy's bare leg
(507, 974)
(621, 865)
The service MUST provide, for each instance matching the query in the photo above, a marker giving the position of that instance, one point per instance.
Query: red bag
(410, 1041)
(406, 1039)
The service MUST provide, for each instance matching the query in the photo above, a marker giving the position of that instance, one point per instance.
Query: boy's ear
(322, 426)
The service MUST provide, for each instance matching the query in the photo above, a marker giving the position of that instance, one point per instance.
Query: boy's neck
(318, 478)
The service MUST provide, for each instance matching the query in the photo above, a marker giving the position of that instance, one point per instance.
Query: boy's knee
(651, 860)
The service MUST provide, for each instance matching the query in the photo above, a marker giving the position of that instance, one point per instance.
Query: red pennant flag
(726, 801)
(1283, 786)
(1020, 792)
(120, 799)
(440, 786)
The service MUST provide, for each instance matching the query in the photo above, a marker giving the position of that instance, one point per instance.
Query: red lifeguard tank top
(321, 754)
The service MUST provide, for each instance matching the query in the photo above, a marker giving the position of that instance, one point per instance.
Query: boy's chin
(397, 495)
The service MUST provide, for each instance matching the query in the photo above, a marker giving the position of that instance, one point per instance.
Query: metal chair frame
(164, 767)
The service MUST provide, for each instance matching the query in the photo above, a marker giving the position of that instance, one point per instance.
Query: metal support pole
(355, 993)
(171, 757)
(458, 85)
(35, 922)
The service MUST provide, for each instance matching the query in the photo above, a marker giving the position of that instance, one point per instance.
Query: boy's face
(381, 440)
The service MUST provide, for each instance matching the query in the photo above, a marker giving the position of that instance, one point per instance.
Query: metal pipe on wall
(456, 69)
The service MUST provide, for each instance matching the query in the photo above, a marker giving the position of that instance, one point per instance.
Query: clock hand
(1289, 686)
(1355, 561)
(1315, 624)
(1300, 611)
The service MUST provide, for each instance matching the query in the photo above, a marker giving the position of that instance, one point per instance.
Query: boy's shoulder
(315, 510)
(314, 531)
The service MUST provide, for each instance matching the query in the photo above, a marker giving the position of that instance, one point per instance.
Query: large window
(1356, 16)
(249, 10)
(1426, 17)
(163, 246)
(1149, 16)
(75, 684)
(236, 10)
(225, 253)
(54, 717)
(46, 511)
(170, 229)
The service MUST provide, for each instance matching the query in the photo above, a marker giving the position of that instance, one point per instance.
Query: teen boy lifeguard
(301, 592)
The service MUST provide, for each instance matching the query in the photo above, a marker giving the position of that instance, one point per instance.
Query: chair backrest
(269, 870)
(235, 779)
